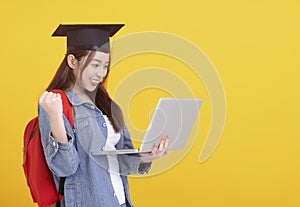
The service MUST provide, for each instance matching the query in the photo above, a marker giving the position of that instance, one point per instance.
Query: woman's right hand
(51, 103)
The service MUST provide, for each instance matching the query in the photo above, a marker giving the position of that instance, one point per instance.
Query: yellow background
(254, 46)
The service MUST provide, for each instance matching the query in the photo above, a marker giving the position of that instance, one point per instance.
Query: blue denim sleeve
(62, 158)
(130, 164)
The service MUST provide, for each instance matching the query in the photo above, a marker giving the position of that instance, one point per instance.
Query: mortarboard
(87, 36)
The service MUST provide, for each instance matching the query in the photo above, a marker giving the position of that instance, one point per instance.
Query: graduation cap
(87, 36)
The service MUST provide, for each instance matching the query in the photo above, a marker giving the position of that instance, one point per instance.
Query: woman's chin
(91, 89)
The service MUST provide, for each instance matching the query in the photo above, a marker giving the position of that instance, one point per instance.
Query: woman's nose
(101, 73)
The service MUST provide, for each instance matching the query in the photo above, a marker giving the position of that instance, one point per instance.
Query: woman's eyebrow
(99, 60)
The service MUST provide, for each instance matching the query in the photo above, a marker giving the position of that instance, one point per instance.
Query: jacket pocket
(73, 195)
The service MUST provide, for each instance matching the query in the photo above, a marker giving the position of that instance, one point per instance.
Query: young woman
(91, 181)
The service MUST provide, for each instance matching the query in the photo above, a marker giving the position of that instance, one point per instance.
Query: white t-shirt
(113, 163)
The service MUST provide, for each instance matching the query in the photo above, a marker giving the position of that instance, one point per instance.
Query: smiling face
(93, 74)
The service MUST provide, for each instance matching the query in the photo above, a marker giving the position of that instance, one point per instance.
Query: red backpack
(39, 177)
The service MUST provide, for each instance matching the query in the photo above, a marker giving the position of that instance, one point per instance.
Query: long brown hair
(64, 79)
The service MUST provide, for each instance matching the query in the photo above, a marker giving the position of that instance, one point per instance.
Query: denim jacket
(88, 181)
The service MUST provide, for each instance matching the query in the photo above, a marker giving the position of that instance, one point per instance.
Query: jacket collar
(74, 99)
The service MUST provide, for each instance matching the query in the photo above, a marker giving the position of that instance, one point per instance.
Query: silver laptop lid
(173, 117)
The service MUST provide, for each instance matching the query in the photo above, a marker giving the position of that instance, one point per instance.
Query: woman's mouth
(95, 81)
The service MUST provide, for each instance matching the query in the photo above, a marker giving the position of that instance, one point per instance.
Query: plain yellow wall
(254, 46)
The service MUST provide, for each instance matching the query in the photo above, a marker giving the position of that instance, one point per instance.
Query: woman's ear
(72, 61)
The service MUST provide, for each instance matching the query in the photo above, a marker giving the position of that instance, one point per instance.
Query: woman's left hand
(157, 151)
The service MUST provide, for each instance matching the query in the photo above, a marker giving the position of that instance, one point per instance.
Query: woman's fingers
(48, 97)
(51, 103)
(42, 97)
(158, 150)
(52, 97)
(162, 144)
(154, 149)
(167, 142)
(162, 147)
(166, 147)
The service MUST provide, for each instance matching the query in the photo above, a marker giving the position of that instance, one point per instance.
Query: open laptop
(173, 117)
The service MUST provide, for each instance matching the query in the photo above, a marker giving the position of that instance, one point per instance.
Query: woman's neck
(82, 94)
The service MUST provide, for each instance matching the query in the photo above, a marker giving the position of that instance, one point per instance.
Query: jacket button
(104, 124)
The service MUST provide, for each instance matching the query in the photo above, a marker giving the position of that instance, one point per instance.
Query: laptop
(174, 117)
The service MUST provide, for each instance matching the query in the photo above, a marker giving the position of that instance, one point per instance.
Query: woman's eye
(106, 67)
(95, 65)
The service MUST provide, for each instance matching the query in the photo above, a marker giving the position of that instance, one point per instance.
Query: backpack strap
(69, 113)
(67, 106)
(60, 191)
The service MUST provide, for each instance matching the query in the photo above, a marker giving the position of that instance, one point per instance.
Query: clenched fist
(51, 103)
